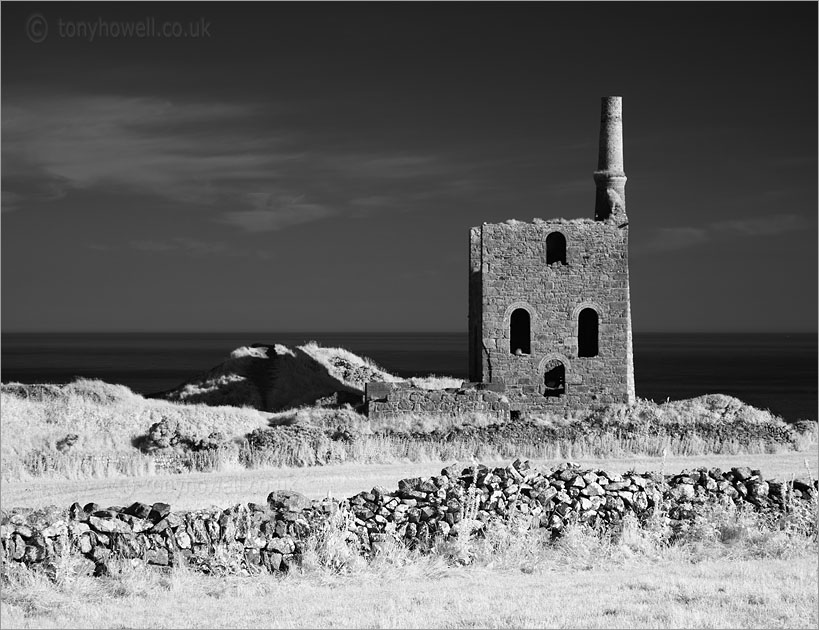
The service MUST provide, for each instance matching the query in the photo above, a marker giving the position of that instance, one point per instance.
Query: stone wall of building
(477, 358)
(386, 400)
(509, 270)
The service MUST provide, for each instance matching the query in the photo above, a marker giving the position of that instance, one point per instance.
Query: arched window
(555, 248)
(519, 333)
(554, 379)
(587, 333)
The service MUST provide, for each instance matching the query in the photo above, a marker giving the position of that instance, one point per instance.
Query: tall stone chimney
(610, 177)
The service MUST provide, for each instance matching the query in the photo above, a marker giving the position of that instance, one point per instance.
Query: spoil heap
(273, 377)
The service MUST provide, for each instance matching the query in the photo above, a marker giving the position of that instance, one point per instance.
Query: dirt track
(226, 488)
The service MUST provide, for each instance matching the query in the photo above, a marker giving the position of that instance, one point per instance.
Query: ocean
(770, 371)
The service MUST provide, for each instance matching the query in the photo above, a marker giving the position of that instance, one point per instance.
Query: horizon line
(368, 332)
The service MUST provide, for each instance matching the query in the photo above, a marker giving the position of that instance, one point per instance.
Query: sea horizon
(373, 332)
(775, 371)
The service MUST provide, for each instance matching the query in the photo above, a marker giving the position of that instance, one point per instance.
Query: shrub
(214, 441)
(168, 433)
(278, 437)
(67, 442)
(164, 434)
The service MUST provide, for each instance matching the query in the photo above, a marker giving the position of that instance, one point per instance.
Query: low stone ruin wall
(251, 538)
(387, 400)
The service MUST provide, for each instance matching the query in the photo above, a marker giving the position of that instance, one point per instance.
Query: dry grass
(709, 424)
(228, 383)
(434, 381)
(347, 367)
(322, 418)
(106, 419)
(299, 446)
(228, 388)
(91, 429)
(755, 577)
(419, 424)
(648, 594)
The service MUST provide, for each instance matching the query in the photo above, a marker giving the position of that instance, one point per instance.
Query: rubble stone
(270, 537)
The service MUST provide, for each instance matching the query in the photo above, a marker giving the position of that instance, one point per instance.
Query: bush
(282, 436)
(167, 433)
(67, 442)
(214, 441)
(164, 434)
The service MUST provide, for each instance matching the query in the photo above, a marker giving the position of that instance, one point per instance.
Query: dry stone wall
(509, 270)
(387, 400)
(252, 538)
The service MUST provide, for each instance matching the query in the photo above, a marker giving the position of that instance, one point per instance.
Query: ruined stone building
(549, 310)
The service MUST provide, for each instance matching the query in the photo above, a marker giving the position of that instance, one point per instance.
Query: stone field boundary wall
(252, 538)
(387, 400)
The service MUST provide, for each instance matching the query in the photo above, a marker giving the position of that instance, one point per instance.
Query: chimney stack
(610, 177)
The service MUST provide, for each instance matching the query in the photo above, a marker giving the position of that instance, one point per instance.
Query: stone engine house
(549, 308)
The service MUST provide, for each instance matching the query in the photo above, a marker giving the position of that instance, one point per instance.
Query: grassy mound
(346, 367)
(92, 420)
(275, 378)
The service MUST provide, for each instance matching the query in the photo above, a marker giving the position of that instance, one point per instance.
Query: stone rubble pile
(252, 537)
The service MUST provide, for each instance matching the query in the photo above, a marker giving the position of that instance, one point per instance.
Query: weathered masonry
(396, 399)
(549, 309)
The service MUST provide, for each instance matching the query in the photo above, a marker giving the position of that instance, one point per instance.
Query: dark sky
(312, 167)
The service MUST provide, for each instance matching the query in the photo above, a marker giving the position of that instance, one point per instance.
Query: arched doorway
(554, 379)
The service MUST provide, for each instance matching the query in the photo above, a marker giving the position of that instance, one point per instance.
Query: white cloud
(394, 167)
(175, 150)
(675, 238)
(667, 239)
(209, 155)
(761, 226)
(190, 247)
(272, 212)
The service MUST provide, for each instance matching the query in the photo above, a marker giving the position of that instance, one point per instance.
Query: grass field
(732, 573)
(663, 594)
(195, 490)
(742, 578)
